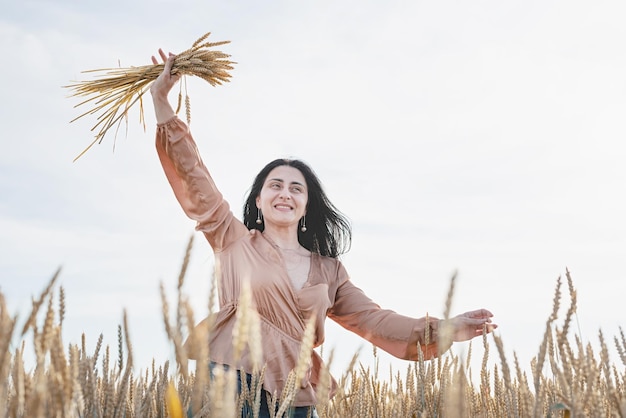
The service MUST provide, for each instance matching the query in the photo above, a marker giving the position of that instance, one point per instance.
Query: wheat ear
(116, 90)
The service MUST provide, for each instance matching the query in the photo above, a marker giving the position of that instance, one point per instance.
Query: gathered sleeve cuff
(396, 334)
(193, 186)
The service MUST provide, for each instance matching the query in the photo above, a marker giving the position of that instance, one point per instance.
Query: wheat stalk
(75, 383)
(116, 90)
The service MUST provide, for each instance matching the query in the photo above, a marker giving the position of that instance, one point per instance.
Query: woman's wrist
(162, 109)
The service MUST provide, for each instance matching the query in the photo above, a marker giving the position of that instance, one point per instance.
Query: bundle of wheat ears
(118, 89)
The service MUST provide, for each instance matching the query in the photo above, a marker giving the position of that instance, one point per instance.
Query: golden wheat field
(568, 377)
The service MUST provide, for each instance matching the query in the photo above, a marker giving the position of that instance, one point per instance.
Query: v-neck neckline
(292, 288)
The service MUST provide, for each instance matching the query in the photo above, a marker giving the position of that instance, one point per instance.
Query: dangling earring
(259, 216)
(303, 227)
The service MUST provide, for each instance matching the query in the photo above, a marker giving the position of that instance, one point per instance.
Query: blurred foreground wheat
(116, 90)
(569, 378)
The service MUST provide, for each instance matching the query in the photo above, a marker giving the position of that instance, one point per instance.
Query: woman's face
(283, 197)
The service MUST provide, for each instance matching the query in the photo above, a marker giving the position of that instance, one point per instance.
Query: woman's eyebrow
(282, 181)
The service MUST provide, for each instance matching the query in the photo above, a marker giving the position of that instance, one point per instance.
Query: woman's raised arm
(191, 182)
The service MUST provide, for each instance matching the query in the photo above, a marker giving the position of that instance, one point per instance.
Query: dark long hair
(328, 232)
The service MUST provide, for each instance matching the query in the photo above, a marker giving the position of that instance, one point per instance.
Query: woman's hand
(470, 324)
(161, 87)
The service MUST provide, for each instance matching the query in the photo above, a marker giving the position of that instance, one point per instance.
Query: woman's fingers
(164, 57)
(166, 79)
(472, 324)
(169, 62)
(162, 54)
(481, 313)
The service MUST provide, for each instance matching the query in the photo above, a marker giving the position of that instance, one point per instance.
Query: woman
(287, 248)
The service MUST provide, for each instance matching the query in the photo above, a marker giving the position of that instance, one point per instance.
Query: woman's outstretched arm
(191, 182)
(400, 335)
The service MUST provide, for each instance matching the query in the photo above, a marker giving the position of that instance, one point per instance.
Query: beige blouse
(247, 255)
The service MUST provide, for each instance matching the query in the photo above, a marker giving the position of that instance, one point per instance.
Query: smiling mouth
(283, 207)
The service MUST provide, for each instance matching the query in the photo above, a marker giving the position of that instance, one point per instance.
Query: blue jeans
(264, 411)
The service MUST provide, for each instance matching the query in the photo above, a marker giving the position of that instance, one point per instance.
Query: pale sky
(484, 137)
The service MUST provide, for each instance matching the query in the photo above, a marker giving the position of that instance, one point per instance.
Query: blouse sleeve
(396, 334)
(193, 186)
